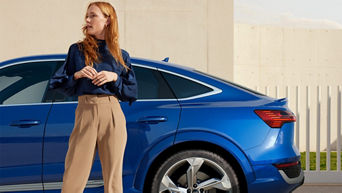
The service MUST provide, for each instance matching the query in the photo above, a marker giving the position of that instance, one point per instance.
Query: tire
(213, 174)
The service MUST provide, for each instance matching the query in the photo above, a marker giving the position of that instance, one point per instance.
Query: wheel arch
(237, 159)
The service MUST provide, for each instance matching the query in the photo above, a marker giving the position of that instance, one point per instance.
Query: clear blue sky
(316, 12)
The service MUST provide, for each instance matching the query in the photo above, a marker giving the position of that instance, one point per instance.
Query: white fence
(317, 129)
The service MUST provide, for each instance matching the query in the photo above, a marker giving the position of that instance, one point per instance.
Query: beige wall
(267, 55)
(196, 33)
(289, 57)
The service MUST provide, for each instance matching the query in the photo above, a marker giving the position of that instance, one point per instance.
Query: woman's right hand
(87, 72)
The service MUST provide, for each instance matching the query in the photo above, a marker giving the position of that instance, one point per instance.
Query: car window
(151, 85)
(25, 83)
(230, 83)
(184, 87)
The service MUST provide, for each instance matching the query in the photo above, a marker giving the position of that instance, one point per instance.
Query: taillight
(276, 118)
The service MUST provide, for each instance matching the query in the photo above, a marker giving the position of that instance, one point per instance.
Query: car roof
(149, 62)
(162, 65)
(34, 57)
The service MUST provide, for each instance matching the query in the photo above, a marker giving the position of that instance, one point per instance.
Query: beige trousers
(99, 124)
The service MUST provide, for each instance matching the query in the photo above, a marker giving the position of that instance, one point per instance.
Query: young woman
(100, 74)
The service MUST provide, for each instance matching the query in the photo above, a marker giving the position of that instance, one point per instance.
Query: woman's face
(96, 22)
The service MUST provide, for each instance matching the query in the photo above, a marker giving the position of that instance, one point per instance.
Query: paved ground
(319, 189)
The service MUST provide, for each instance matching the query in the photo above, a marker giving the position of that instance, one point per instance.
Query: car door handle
(25, 123)
(152, 119)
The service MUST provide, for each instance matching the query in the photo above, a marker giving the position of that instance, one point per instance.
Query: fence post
(339, 117)
(307, 164)
(318, 130)
(328, 127)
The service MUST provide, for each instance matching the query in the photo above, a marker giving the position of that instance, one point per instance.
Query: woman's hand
(87, 72)
(104, 76)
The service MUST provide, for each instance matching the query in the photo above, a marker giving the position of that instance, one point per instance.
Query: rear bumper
(270, 179)
(273, 162)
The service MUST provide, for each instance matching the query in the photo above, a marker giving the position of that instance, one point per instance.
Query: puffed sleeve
(126, 87)
(63, 79)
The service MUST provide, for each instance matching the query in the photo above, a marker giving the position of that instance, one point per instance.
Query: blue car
(188, 132)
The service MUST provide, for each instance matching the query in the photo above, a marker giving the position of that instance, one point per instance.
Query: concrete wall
(268, 56)
(196, 33)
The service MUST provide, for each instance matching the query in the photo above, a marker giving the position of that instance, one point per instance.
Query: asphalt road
(324, 188)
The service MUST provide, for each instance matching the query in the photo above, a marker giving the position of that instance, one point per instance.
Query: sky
(321, 14)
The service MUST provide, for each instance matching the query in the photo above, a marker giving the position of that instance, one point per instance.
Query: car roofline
(43, 57)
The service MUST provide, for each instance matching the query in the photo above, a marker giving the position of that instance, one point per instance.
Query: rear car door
(23, 113)
(151, 121)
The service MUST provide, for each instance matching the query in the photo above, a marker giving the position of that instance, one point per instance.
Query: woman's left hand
(103, 77)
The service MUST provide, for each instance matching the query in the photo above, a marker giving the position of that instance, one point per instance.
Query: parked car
(187, 132)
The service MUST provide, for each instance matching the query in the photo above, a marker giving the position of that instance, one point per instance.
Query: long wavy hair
(89, 43)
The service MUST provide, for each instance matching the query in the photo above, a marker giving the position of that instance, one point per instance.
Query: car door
(153, 117)
(23, 115)
(56, 137)
(151, 120)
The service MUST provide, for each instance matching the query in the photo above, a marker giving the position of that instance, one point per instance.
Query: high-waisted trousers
(100, 125)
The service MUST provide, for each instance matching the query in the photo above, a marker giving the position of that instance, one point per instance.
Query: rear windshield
(228, 82)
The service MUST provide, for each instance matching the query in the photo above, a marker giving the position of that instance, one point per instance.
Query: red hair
(89, 43)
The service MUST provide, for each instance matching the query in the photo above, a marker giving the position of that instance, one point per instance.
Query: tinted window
(183, 87)
(231, 83)
(151, 84)
(25, 83)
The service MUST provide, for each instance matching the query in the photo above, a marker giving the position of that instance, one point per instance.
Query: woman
(100, 74)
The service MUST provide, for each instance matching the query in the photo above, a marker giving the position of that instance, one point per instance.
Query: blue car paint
(237, 129)
(22, 145)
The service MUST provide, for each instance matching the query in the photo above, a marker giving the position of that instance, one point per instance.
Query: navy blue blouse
(125, 87)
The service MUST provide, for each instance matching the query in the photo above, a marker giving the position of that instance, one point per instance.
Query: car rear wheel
(195, 171)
